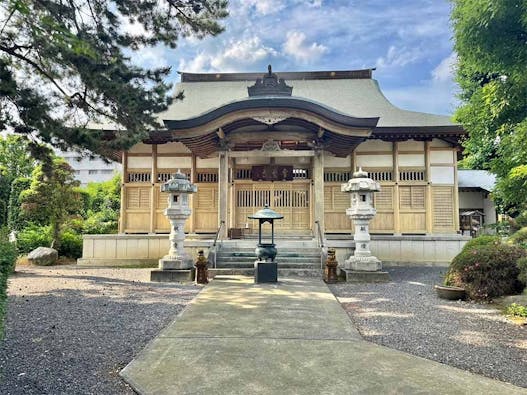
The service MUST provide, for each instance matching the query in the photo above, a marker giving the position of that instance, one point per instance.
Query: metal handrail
(214, 247)
(322, 244)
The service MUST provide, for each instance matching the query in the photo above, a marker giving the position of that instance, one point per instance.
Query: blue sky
(408, 41)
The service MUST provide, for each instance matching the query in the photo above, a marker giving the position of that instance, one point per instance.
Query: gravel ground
(406, 314)
(71, 330)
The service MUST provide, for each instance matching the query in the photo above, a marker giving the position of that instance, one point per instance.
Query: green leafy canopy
(64, 66)
(491, 43)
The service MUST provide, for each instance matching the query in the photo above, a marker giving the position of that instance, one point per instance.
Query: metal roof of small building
(476, 179)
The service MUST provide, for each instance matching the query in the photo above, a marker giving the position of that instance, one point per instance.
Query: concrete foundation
(125, 249)
(171, 276)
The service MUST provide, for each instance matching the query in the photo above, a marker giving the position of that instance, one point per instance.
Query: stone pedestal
(265, 272)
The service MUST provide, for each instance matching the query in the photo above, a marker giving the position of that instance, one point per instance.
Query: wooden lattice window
(207, 177)
(243, 174)
(300, 174)
(139, 176)
(412, 175)
(412, 197)
(381, 175)
(165, 175)
(443, 201)
(138, 198)
(383, 200)
(337, 176)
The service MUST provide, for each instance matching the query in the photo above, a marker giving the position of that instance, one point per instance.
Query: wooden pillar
(232, 199)
(318, 189)
(153, 194)
(193, 197)
(396, 215)
(223, 190)
(429, 208)
(122, 214)
(456, 193)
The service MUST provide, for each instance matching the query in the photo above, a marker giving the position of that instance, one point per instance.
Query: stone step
(281, 272)
(280, 255)
(281, 265)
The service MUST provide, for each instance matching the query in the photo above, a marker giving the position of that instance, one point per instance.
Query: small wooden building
(289, 140)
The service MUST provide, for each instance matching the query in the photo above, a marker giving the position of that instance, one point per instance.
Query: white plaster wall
(207, 163)
(169, 162)
(374, 145)
(411, 160)
(375, 160)
(141, 148)
(411, 145)
(139, 162)
(333, 161)
(441, 157)
(442, 175)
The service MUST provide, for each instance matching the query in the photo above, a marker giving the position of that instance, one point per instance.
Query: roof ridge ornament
(270, 85)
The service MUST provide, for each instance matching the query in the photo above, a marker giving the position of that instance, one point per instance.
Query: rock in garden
(43, 256)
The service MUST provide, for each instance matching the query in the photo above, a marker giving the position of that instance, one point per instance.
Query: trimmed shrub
(519, 238)
(486, 271)
(32, 237)
(15, 219)
(70, 245)
(8, 255)
(522, 267)
(481, 241)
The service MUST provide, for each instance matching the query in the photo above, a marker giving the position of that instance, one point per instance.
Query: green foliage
(15, 162)
(52, 198)
(33, 236)
(490, 41)
(482, 240)
(8, 255)
(522, 267)
(14, 216)
(102, 206)
(79, 58)
(519, 238)
(486, 271)
(70, 244)
(516, 310)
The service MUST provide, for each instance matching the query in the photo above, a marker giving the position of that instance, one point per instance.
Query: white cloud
(296, 46)
(265, 7)
(238, 55)
(150, 57)
(444, 71)
(398, 57)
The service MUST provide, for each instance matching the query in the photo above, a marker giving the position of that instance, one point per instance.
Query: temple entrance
(291, 199)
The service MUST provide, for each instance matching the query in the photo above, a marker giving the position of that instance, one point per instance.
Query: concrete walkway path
(287, 338)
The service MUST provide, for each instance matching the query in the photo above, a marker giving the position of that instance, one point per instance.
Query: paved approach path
(292, 337)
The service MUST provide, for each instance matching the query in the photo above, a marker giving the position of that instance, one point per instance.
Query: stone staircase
(300, 257)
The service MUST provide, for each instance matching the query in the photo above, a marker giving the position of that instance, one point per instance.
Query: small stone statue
(202, 273)
(330, 272)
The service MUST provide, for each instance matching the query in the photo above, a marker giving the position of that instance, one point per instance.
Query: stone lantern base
(363, 263)
(178, 263)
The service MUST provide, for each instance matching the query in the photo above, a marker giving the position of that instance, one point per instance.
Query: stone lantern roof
(361, 183)
(179, 183)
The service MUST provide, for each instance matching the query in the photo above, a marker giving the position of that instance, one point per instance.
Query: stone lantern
(361, 188)
(177, 212)
(265, 267)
